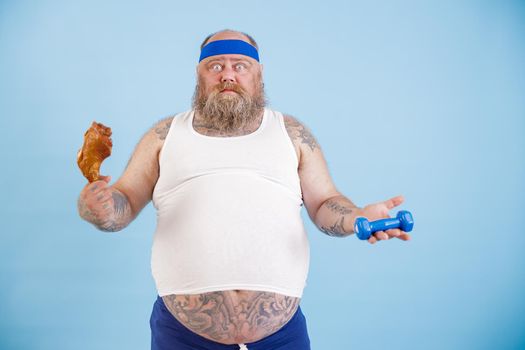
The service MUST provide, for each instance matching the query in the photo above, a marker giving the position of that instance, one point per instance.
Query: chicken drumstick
(97, 147)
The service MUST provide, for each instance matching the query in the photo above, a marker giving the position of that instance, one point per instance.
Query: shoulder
(299, 133)
(157, 133)
(153, 139)
(161, 128)
(290, 122)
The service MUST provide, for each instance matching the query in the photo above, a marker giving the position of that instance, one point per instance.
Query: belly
(232, 316)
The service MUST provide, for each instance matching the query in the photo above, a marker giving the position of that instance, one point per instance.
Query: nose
(228, 75)
(227, 79)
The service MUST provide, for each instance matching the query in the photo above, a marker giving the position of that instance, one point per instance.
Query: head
(230, 92)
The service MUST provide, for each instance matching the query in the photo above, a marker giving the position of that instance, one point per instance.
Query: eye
(216, 67)
(240, 67)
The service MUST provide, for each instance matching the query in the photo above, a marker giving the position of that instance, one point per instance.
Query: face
(237, 70)
(229, 93)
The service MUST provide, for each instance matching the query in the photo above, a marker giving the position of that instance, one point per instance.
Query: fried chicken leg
(97, 147)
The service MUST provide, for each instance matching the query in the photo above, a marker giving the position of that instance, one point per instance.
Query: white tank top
(228, 212)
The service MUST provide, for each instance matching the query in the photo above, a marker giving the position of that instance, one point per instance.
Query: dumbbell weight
(364, 228)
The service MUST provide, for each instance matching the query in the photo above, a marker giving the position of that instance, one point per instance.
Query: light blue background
(420, 98)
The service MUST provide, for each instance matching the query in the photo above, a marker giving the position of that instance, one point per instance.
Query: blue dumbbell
(364, 228)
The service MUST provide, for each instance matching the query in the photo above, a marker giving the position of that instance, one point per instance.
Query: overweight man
(228, 178)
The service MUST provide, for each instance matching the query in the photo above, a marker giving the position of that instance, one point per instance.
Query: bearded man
(228, 179)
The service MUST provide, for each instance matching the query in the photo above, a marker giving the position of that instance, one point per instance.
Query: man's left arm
(332, 212)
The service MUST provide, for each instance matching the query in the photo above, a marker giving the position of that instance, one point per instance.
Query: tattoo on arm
(298, 132)
(119, 203)
(337, 229)
(337, 208)
(121, 213)
(163, 128)
(112, 218)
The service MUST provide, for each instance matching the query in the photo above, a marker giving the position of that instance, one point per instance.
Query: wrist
(350, 219)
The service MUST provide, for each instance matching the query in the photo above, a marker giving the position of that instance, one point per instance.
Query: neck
(212, 127)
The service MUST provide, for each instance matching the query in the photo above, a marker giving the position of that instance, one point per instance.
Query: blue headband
(224, 47)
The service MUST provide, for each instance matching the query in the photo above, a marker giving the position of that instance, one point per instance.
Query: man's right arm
(111, 208)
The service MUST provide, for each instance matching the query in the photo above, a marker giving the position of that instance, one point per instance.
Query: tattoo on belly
(227, 317)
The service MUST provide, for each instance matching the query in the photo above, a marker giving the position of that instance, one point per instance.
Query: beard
(227, 112)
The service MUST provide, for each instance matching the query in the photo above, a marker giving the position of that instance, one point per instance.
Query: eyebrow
(221, 59)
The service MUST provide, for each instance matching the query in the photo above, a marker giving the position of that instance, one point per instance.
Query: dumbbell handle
(384, 224)
(364, 228)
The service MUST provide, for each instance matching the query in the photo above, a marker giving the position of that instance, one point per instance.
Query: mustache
(229, 86)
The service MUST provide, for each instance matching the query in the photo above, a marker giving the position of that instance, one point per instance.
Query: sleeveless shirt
(228, 212)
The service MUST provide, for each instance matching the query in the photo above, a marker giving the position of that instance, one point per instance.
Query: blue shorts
(167, 333)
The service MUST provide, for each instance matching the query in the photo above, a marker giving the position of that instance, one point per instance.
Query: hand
(379, 211)
(95, 201)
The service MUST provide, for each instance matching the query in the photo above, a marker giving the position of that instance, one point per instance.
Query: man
(228, 179)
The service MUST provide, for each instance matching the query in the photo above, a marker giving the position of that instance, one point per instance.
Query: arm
(111, 208)
(332, 212)
(329, 210)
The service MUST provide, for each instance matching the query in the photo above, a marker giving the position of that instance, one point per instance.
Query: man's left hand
(378, 211)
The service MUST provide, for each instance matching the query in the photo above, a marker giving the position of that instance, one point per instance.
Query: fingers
(394, 202)
(388, 234)
(404, 236)
(381, 236)
(395, 232)
(103, 196)
(97, 186)
(378, 236)
(96, 193)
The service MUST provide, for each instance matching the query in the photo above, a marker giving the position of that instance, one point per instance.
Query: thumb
(394, 202)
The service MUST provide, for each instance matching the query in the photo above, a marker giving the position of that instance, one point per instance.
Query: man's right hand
(94, 198)
(111, 208)
(103, 206)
